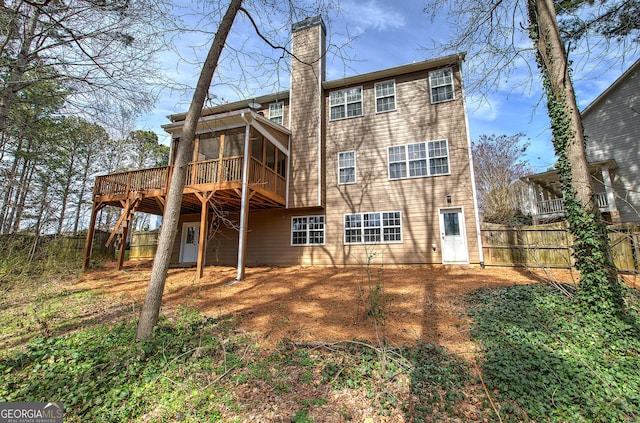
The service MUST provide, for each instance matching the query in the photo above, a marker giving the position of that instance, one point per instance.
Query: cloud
(369, 15)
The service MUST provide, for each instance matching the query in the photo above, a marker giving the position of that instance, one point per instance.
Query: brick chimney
(306, 176)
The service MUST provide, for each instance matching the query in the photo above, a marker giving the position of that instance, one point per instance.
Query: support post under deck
(244, 205)
(88, 244)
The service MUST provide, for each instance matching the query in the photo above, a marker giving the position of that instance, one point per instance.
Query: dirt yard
(319, 303)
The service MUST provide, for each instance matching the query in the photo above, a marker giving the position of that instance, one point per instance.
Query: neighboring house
(374, 167)
(612, 130)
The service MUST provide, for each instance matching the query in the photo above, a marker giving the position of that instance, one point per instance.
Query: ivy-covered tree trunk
(599, 289)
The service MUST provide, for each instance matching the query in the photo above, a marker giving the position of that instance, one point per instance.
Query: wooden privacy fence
(550, 246)
(57, 246)
(74, 244)
(143, 245)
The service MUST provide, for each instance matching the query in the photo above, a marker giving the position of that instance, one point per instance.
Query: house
(612, 130)
(371, 168)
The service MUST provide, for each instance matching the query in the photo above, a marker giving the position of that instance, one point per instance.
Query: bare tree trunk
(184, 153)
(599, 288)
(66, 192)
(83, 186)
(21, 201)
(17, 71)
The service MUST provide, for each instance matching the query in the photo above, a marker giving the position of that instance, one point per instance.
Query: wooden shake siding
(612, 128)
(305, 99)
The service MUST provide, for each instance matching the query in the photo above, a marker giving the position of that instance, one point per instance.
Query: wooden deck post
(202, 242)
(123, 244)
(88, 244)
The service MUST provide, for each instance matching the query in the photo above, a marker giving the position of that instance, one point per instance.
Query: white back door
(453, 236)
(190, 242)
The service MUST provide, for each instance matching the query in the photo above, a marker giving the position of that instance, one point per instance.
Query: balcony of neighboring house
(546, 199)
(554, 208)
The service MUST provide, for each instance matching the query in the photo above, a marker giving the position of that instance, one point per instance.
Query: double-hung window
(373, 228)
(418, 160)
(345, 103)
(307, 230)
(385, 96)
(276, 112)
(441, 83)
(347, 167)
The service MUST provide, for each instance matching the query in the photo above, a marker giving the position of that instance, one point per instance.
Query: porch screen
(208, 147)
(234, 142)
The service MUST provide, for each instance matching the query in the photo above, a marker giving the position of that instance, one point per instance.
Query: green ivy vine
(600, 290)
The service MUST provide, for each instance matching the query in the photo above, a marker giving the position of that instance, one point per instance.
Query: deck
(554, 208)
(222, 177)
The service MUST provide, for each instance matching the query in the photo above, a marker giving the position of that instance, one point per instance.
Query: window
(438, 157)
(307, 230)
(276, 112)
(441, 82)
(347, 168)
(418, 160)
(385, 96)
(346, 103)
(372, 228)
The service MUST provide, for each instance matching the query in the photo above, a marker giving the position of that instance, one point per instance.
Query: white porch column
(244, 205)
(611, 195)
(532, 201)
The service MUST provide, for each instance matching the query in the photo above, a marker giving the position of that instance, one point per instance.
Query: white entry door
(453, 236)
(190, 242)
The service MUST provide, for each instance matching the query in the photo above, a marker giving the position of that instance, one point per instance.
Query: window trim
(307, 230)
(355, 176)
(345, 103)
(362, 227)
(431, 86)
(375, 94)
(281, 116)
(408, 160)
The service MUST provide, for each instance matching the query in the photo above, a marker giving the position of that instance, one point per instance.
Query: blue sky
(384, 34)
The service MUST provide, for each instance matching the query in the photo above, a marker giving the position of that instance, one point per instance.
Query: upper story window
(441, 83)
(347, 167)
(346, 103)
(276, 112)
(418, 160)
(307, 230)
(385, 96)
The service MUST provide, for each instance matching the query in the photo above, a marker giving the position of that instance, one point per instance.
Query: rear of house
(370, 168)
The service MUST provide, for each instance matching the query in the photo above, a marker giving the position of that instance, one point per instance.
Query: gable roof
(396, 71)
(327, 85)
(611, 87)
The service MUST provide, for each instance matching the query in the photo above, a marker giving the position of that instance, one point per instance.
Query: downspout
(244, 206)
(473, 176)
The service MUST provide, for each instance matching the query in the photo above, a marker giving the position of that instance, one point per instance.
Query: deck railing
(556, 205)
(134, 181)
(268, 178)
(228, 169)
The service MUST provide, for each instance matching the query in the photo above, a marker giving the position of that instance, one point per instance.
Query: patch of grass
(550, 361)
(102, 374)
(301, 416)
(199, 369)
(35, 300)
